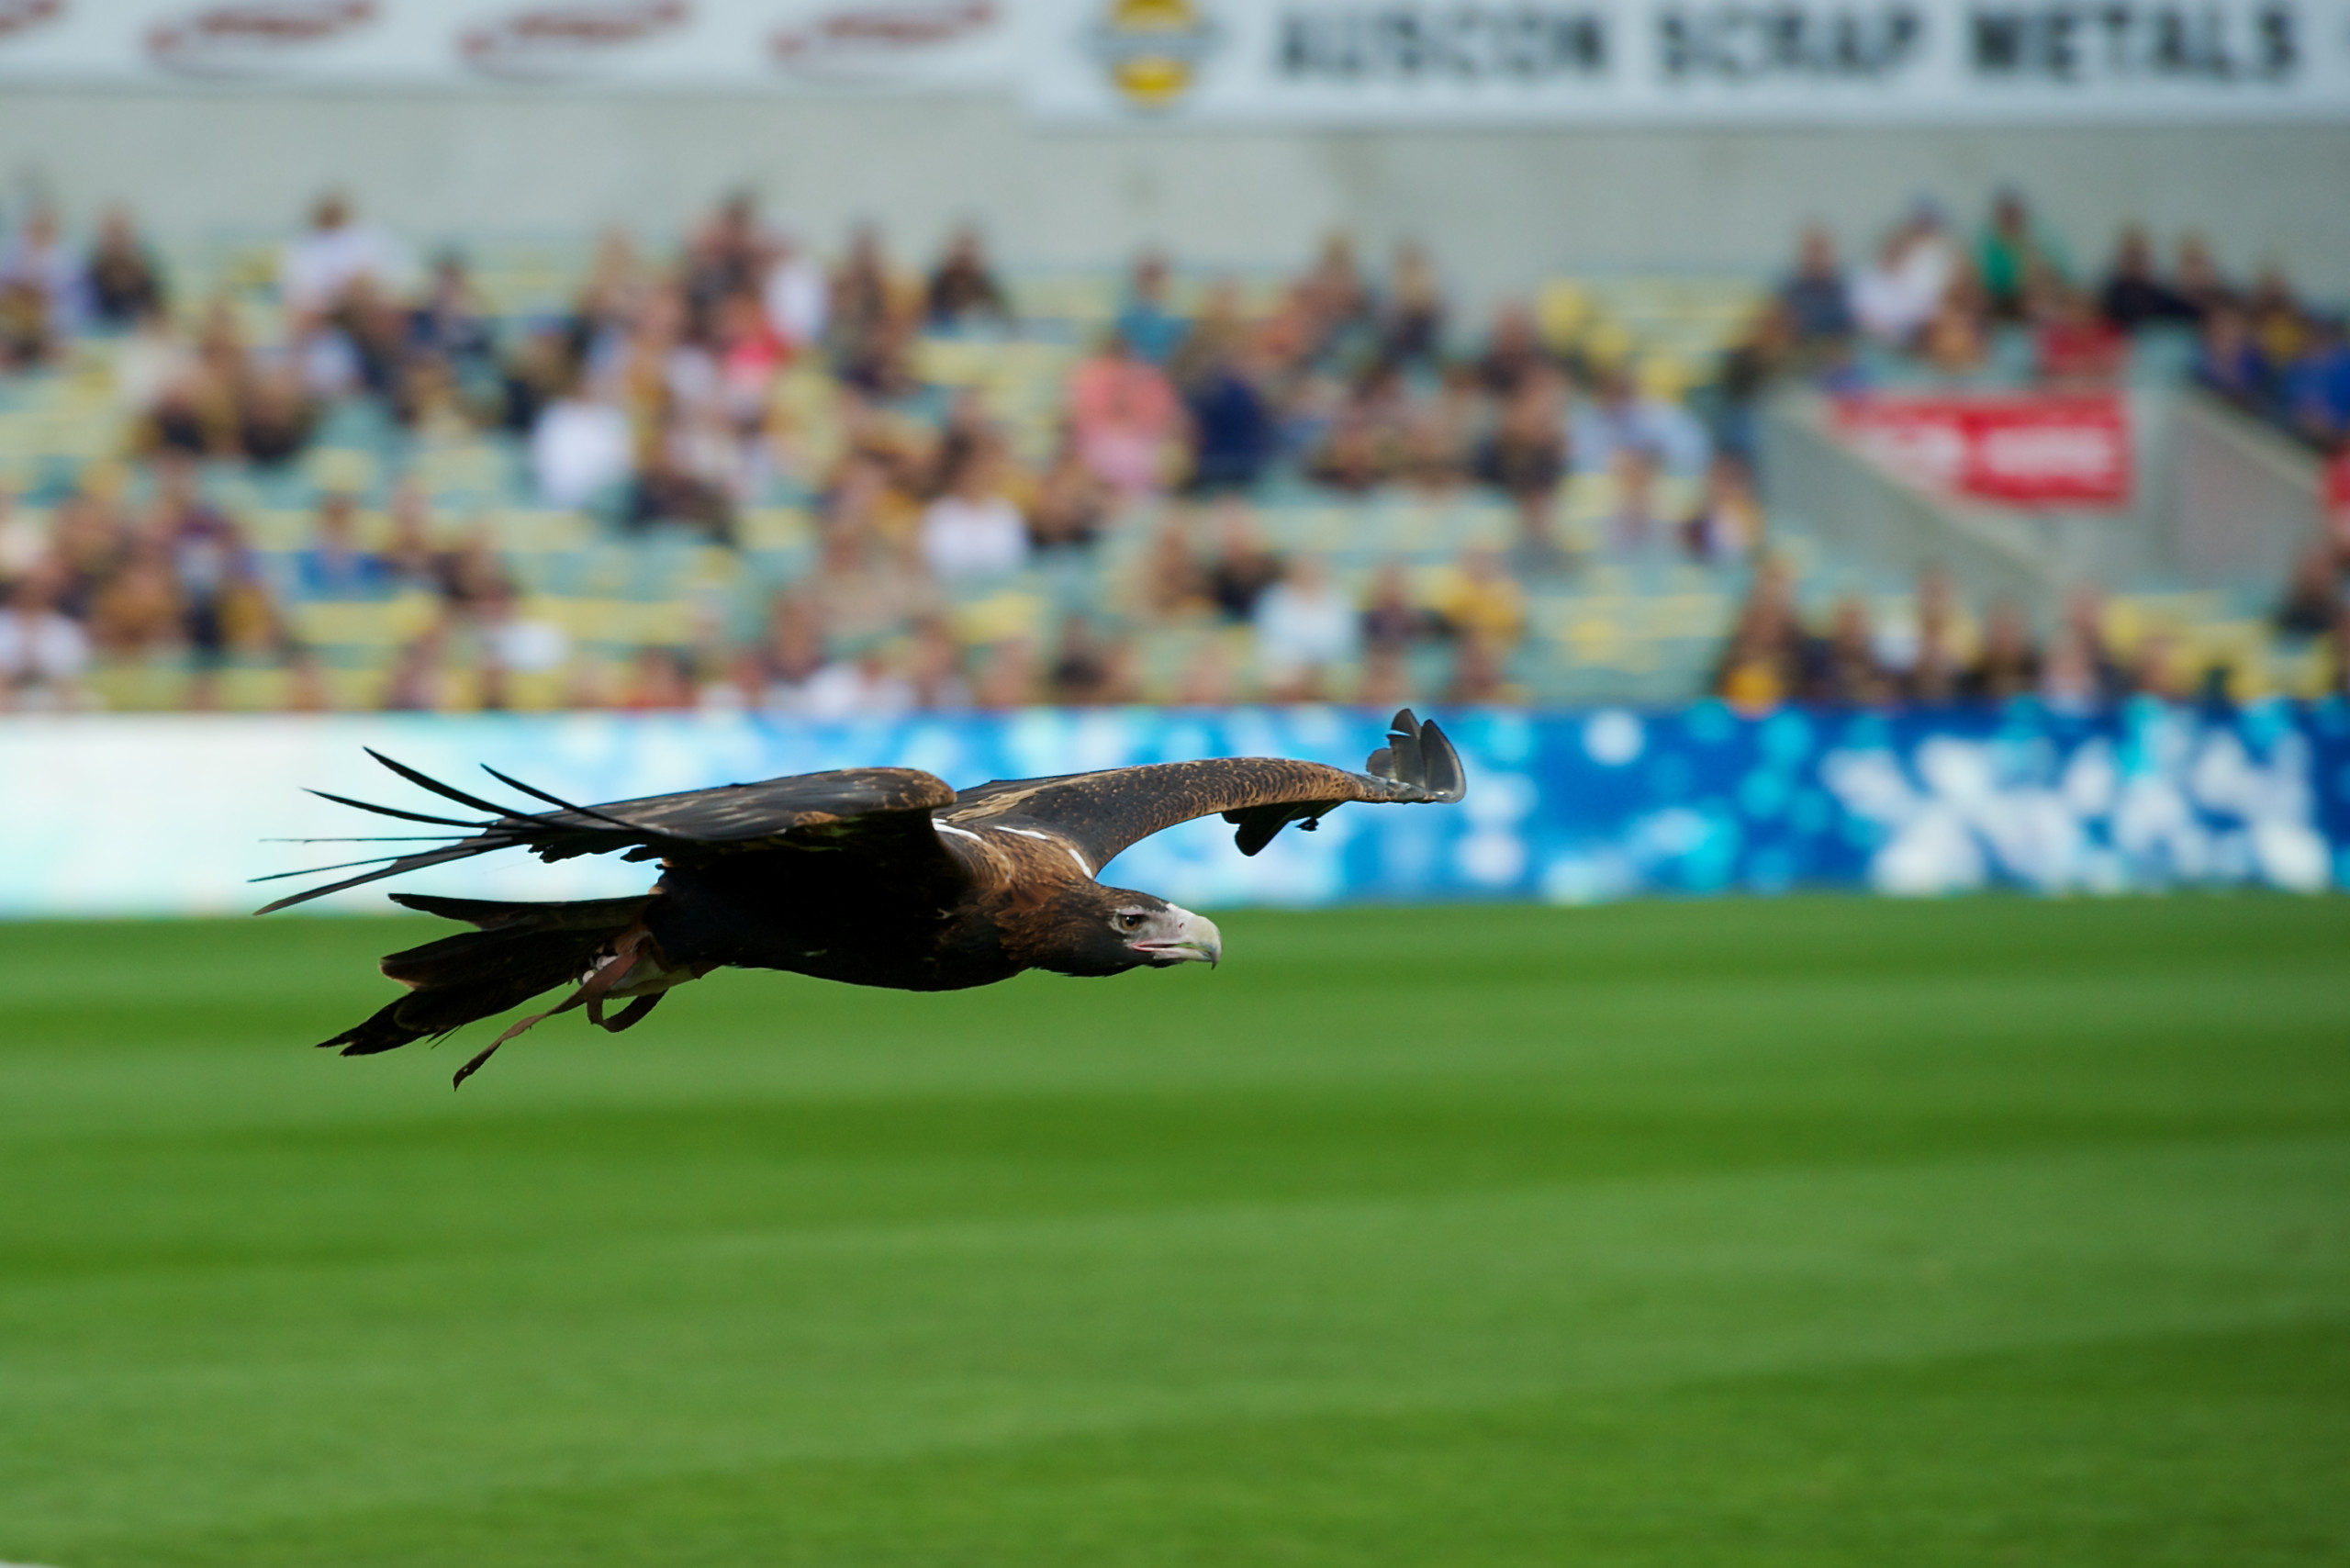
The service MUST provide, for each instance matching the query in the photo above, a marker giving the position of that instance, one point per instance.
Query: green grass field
(1830, 1232)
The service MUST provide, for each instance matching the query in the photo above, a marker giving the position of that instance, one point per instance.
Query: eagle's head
(1107, 931)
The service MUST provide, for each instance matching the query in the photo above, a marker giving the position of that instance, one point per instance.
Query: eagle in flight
(874, 876)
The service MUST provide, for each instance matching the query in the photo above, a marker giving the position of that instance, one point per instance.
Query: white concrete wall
(1500, 205)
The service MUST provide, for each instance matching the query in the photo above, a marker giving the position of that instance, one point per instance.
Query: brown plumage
(872, 876)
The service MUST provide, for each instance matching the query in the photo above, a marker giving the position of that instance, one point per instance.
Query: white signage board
(1404, 61)
(1369, 62)
(602, 44)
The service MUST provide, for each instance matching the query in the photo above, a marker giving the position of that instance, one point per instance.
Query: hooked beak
(1194, 939)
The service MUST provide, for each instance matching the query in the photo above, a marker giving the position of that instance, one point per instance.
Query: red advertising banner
(2019, 449)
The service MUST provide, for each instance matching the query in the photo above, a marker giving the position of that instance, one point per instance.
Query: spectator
(1765, 346)
(2133, 296)
(1763, 663)
(2197, 279)
(1234, 434)
(1816, 298)
(1479, 676)
(2013, 249)
(123, 282)
(1146, 321)
(608, 300)
(797, 296)
(2317, 387)
(513, 641)
(1957, 341)
(1411, 320)
(1434, 441)
(274, 417)
(868, 591)
(661, 680)
(1391, 622)
(974, 529)
(43, 652)
(2070, 680)
(1729, 523)
(1535, 552)
(723, 257)
(363, 345)
(1633, 524)
(2159, 669)
(1352, 459)
(1623, 416)
(88, 542)
(419, 678)
(1336, 304)
(2313, 595)
(1893, 300)
(2279, 325)
(2009, 664)
(1938, 666)
(413, 561)
(24, 544)
(318, 270)
(863, 301)
(966, 434)
(2071, 342)
(1244, 566)
(2227, 361)
(449, 321)
(2083, 628)
(581, 448)
(1513, 354)
(1386, 681)
(1208, 679)
(1007, 676)
(137, 609)
(1527, 453)
(1124, 415)
(963, 289)
(43, 279)
(1306, 628)
(790, 653)
(1073, 507)
(1479, 601)
(860, 685)
(1172, 585)
(221, 599)
(1845, 669)
(665, 491)
(1089, 669)
(335, 566)
(935, 672)
(149, 360)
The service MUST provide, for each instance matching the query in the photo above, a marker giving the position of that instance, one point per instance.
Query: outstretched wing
(869, 808)
(1099, 815)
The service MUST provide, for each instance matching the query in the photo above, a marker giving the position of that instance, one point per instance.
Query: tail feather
(521, 950)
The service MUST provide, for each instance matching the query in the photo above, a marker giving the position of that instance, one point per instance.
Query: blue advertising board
(171, 814)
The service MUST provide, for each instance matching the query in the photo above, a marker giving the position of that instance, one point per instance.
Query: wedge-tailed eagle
(874, 876)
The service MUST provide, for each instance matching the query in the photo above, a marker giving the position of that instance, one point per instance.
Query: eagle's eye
(1130, 920)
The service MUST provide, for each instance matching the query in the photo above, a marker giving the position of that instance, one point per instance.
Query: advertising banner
(1162, 62)
(1399, 62)
(166, 815)
(604, 44)
(2021, 449)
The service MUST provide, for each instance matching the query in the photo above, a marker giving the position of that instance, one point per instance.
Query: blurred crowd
(1942, 298)
(656, 401)
(1942, 653)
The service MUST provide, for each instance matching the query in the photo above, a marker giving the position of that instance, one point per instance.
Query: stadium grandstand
(340, 467)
